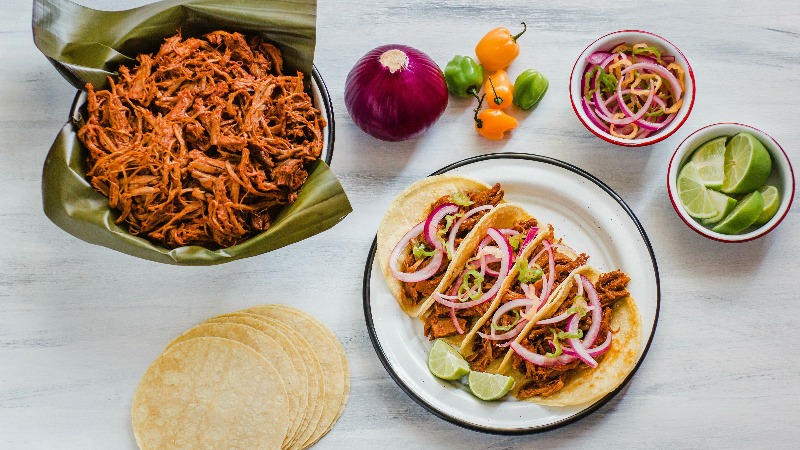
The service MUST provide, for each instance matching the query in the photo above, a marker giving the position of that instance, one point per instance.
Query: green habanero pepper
(529, 88)
(464, 76)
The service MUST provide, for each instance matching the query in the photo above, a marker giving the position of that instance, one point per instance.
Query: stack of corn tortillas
(267, 377)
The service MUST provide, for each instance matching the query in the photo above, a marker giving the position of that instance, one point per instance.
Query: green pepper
(529, 88)
(464, 76)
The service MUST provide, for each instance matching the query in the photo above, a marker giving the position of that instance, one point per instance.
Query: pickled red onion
(505, 260)
(451, 239)
(423, 274)
(432, 223)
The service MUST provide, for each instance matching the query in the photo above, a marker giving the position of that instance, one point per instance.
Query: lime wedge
(723, 204)
(743, 215)
(445, 362)
(709, 160)
(489, 386)
(747, 164)
(693, 193)
(772, 200)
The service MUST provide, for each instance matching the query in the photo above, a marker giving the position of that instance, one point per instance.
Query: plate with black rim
(588, 216)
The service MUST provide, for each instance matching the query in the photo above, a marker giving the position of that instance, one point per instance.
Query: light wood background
(80, 323)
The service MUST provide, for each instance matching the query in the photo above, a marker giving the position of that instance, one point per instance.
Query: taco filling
(529, 291)
(576, 336)
(431, 244)
(459, 306)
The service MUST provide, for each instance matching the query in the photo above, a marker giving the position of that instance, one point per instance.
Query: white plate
(590, 218)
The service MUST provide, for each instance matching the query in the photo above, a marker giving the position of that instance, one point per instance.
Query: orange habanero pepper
(493, 123)
(498, 48)
(499, 90)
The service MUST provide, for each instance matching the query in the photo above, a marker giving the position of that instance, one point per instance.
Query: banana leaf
(88, 46)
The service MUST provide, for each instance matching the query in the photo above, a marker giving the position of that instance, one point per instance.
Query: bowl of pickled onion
(632, 88)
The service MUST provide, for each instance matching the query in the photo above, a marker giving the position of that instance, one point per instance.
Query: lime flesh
(693, 193)
(489, 386)
(723, 204)
(445, 362)
(743, 215)
(709, 160)
(772, 201)
(747, 164)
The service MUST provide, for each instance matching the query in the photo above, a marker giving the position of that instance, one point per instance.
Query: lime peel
(445, 362)
(743, 215)
(489, 386)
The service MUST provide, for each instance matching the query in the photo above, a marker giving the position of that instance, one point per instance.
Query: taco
(480, 272)
(422, 231)
(527, 293)
(582, 344)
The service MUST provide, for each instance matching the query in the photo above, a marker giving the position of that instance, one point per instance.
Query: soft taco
(581, 345)
(423, 230)
(480, 273)
(539, 271)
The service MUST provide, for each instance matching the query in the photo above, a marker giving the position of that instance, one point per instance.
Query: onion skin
(397, 101)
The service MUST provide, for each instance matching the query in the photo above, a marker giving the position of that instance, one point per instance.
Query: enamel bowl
(607, 43)
(782, 177)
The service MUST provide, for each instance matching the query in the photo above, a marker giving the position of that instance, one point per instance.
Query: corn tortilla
(332, 358)
(269, 348)
(306, 367)
(210, 392)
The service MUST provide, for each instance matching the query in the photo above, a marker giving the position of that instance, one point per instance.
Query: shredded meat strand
(203, 142)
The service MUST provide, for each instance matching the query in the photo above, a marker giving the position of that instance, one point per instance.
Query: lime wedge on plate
(693, 193)
(772, 201)
(445, 362)
(743, 215)
(723, 204)
(747, 164)
(489, 386)
(709, 160)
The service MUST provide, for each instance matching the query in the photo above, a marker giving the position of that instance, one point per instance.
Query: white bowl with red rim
(607, 43)
(782, 177)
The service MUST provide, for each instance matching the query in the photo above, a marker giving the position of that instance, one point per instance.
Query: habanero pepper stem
(497, 100)
(463, 76)
(500, 85)
(479, 122)
(493, 123)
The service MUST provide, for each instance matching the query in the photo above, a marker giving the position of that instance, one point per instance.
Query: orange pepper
(498, 48)
(493, 123)
(499, 90)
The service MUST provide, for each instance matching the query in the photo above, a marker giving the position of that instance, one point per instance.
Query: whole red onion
(395, 92)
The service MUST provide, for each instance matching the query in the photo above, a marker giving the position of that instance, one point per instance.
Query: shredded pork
(203, 142)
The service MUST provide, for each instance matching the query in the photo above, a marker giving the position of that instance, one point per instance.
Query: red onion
(423, 274)
(455, 321)
(395, 92)
(593, 352)
(528, 238)
(598, 57)
(451, 240)
(432, 222)
(597, 312)
(518, 303)
(540, 360)
(576, 344)
(504, 267)
(514, 332)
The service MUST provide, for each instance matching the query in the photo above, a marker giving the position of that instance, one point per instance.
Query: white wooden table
(80, 323)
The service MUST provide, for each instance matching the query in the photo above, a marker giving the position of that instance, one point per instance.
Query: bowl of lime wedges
(731, 182)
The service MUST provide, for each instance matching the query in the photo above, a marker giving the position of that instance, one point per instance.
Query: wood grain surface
(79, 324)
